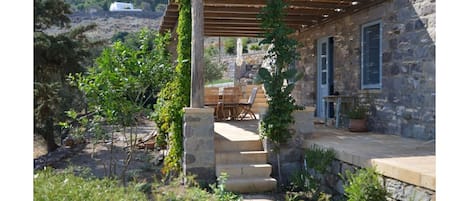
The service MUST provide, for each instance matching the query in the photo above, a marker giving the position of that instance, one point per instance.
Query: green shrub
(303, 181)
(319, 159)
(364, 184)
(254, 47)
(220, 192)
(50, 185)
(230, 46)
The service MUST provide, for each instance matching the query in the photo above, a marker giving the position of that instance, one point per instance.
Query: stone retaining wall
(399, 190)
(405, 105)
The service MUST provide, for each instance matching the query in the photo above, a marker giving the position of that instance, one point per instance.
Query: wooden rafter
(240, 17)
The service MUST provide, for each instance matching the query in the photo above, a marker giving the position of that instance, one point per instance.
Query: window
(371, 56)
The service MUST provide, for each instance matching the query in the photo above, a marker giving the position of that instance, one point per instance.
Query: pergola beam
(242, 15)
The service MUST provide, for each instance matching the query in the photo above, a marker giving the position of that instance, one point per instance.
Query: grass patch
(220, 81)
(71, 184)
(52, 185)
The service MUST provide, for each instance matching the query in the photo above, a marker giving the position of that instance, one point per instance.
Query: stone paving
(405, 159)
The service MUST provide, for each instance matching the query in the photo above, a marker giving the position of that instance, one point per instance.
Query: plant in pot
(358, 116)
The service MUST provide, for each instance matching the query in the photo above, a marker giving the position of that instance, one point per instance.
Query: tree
(54, 58)
(212, 71)
(123, 80)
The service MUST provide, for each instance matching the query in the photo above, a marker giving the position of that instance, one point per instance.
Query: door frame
(330, 76)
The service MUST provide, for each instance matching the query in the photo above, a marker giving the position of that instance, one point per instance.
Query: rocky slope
(110, 23)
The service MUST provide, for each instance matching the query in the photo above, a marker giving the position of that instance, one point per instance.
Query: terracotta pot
(358, 125)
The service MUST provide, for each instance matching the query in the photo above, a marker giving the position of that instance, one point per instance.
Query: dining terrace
(238, 102)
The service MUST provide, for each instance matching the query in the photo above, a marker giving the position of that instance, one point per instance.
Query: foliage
(306, 186)
(307, 195)
(273, 125)
(212, 71)
(49, 13)
(230, 46)
(121, 83)
(301, 180)
(211, 51)
(124, 79)
(175, 95)
(46, 101)
(220, 192)
(50, 185)
(255, 47)
(362, 109)
(358, 112)
(54, 58)
(319, 159)
(364, 184)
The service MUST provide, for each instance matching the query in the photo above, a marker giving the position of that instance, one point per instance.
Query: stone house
(387, 50)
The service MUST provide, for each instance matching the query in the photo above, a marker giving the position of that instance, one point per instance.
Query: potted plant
(357, 116)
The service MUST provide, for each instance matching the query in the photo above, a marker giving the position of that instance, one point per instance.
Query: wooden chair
(212, 99)
(230, 102)
(246, 107)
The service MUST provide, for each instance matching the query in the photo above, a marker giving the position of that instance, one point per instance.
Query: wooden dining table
(227, 105)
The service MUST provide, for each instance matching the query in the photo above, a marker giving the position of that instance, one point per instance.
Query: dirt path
(145, 163)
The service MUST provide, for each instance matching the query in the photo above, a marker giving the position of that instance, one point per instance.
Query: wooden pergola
(239, 18)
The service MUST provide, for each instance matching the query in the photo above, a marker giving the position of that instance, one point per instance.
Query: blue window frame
(371, 55)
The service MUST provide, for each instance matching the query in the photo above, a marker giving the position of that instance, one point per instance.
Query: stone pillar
(291, 153)
(199, 148)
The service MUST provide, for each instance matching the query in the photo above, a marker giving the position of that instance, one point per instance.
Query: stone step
(251, 185)
(241, 157)
(245, 170)
(223, 145)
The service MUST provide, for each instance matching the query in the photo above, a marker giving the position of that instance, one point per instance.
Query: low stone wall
(291, 154)
(399, 190)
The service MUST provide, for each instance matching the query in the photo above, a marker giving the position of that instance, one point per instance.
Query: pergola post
(199, 141)
(197, 55)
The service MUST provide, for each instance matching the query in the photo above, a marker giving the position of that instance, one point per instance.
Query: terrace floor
(409, 160)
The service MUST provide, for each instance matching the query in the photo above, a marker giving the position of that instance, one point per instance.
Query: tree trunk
(48, 134)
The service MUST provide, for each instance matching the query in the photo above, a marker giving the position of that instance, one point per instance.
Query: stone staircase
(245, 162)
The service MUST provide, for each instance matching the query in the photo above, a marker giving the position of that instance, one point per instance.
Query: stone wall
(199, 147)
(405, 105)
(398, 190)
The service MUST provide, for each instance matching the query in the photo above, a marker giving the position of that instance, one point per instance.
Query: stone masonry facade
(398, 190)
(199, 147)
(405, 104)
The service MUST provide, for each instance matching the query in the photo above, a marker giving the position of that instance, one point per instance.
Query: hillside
(110, 23)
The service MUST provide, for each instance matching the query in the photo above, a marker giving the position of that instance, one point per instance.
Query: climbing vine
(275, 124)
(175, 96)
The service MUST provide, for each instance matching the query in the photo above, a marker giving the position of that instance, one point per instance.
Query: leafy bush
(303, 181)
(364, 184)
(319, 159)
(212, 71)
(220, 192)
(50, 185)
(230, 46)
(254, 47)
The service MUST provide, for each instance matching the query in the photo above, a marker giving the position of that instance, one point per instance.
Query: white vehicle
(121, 6)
